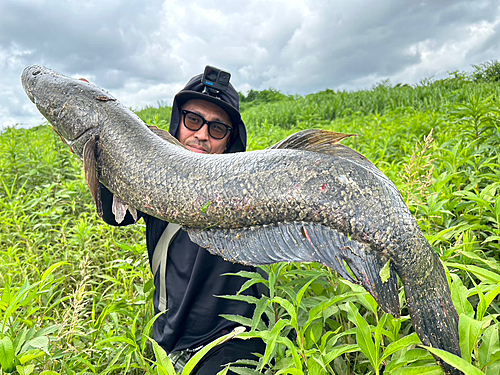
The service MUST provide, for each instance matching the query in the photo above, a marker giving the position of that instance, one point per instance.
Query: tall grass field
(76, 294)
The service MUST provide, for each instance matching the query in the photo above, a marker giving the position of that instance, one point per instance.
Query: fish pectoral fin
(303, 242)
(91, 176)
(119, 209)
(165, 135)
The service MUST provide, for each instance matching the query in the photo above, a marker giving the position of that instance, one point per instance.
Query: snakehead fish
(306, 199)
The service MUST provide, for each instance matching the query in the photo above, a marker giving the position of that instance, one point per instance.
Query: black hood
(228, 101)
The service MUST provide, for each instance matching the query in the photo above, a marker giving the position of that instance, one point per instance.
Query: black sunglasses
(194, 122)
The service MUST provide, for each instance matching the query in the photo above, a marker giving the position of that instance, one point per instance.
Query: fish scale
(307, 198)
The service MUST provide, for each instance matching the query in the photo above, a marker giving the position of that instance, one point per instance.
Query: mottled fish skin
(337, 189)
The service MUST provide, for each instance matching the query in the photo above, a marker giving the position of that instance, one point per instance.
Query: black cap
(228, 100)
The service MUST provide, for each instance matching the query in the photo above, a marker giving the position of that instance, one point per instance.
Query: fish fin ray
(327, 142)
(119, 209)
(303, 242)
(317, 140)
(133, 212)
(91, 176)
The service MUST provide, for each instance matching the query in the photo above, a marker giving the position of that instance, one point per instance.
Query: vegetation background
(76, 293)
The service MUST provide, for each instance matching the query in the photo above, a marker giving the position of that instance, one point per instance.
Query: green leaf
(313, 333)
(385, 272)
(322, 309)
(259, 310)
(25, 370)
(314, 367)
(402, 343)
(411, 356)
(53, 267)
(481, 273)
(470, 330)
(7, 354)
(459, 296)
(224, 372)
(30, 355)
(297, 360)
(147, 329)
(490, 297)
(41, 343)
(379, 330)
(239, 370)
(205, 207)
(418, 370)
(271, 338)
(241, 297)
(490, 344)
(241, 320)
(162, 361)
(337, 351)
(300, 294)
(290, 308)
(116, 339)
(191, 364)
(363, 335)
(19, 298)
(290, 371)
(367, 300)
(455, 361)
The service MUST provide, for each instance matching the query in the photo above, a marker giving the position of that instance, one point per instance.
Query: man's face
(200, 141)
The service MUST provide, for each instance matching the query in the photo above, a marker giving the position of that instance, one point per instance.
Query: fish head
(69, 104)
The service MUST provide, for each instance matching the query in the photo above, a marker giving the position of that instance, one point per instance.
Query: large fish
(305, 199)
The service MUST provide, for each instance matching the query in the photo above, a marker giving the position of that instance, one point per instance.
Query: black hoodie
(193, 276)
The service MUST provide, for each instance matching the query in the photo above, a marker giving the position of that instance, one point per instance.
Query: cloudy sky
(143, 52)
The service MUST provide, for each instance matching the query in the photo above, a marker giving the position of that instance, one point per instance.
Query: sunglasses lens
(217, 131)
(192, 121)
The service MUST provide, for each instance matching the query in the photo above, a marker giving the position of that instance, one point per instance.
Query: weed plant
(76, 294)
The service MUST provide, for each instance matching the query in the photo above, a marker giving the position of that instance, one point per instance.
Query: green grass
(76, 293)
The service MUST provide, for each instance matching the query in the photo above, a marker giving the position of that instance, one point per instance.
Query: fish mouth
(28, 79)
(52, 94)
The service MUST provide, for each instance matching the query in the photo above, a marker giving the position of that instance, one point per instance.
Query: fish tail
(431, 308)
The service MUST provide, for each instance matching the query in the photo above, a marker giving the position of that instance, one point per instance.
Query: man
(187, 277)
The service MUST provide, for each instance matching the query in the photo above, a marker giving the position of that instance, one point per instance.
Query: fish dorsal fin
(165, 135)
(316, 140)
(322, 141)
(327, 142)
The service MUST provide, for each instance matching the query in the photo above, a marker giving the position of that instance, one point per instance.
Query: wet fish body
(308, 198)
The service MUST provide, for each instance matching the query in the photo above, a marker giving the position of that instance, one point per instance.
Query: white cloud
(144, 52)
(437, 59)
